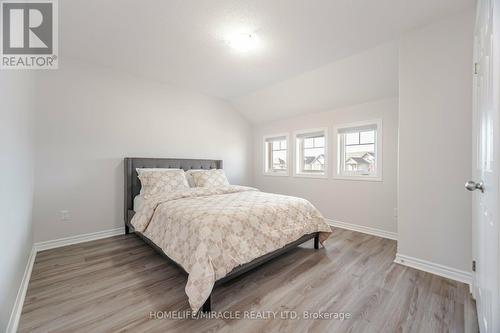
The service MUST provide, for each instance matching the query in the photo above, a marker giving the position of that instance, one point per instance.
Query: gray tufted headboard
(133, 185)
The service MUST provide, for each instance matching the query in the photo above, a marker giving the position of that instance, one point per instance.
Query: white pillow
(158, 180)
(209, 178)
(189, 176)
(138, 202)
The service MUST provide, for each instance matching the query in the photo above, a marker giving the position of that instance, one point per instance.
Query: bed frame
(133, 187)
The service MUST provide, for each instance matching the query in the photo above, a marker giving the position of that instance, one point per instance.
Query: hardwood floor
(119, 283)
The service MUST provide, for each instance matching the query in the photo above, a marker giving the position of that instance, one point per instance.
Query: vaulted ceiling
(181, 42)
(366, 76)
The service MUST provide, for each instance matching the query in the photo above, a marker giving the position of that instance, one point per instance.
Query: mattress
(210, 231)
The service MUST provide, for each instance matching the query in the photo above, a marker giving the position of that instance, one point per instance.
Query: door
(486, 153)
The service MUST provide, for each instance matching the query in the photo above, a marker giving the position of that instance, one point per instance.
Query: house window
(276, 155)
(311, 158)
(359, 151)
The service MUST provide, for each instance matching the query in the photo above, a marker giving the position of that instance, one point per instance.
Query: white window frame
(265, 170)
(338, 173)
(296, 169)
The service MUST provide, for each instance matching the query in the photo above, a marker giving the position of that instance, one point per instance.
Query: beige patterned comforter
(210, 231)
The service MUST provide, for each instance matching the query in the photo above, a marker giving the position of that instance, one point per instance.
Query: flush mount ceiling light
(243, 41)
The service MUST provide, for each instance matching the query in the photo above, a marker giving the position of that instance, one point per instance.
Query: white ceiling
(181, 41)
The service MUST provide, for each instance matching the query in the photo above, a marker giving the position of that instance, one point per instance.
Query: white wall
(365, 203)
(16, 189)
(435, 142)
(90, 118)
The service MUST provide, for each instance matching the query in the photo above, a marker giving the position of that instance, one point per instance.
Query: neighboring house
(364, 163)
(314, 162)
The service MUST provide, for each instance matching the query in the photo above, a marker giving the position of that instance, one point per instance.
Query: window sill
(277, 174)
(310, 175)
(359, 178)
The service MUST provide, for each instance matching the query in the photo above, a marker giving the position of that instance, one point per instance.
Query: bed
(241, 237)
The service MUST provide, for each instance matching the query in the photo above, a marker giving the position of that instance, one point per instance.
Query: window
(311, 157)
(359, 151)
(276, 155)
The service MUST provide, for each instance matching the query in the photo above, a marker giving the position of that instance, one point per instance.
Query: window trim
(378, 177)
(285, 173)
(296, 172)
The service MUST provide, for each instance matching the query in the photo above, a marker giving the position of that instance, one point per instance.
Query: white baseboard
(52, 244)
(437, 269)
(15, 315)
(363, 229)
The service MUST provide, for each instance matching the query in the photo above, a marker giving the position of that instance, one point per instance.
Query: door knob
(471, 186)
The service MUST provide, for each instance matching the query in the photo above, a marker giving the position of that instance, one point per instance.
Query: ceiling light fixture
(243, 42)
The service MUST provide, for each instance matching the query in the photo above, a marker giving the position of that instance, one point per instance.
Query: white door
(486, 153)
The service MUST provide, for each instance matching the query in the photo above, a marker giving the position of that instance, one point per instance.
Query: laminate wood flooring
(120, 284)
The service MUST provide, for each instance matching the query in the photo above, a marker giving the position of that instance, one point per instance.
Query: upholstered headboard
(133, 185)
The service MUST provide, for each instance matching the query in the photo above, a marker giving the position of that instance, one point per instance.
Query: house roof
(309, 159)
(368, 155)
(312, 159)
(357, 160)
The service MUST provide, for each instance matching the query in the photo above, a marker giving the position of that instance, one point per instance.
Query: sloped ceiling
(366, 76)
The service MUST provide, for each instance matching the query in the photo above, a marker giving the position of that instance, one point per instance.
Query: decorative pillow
(209, 178)
(156, 181)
